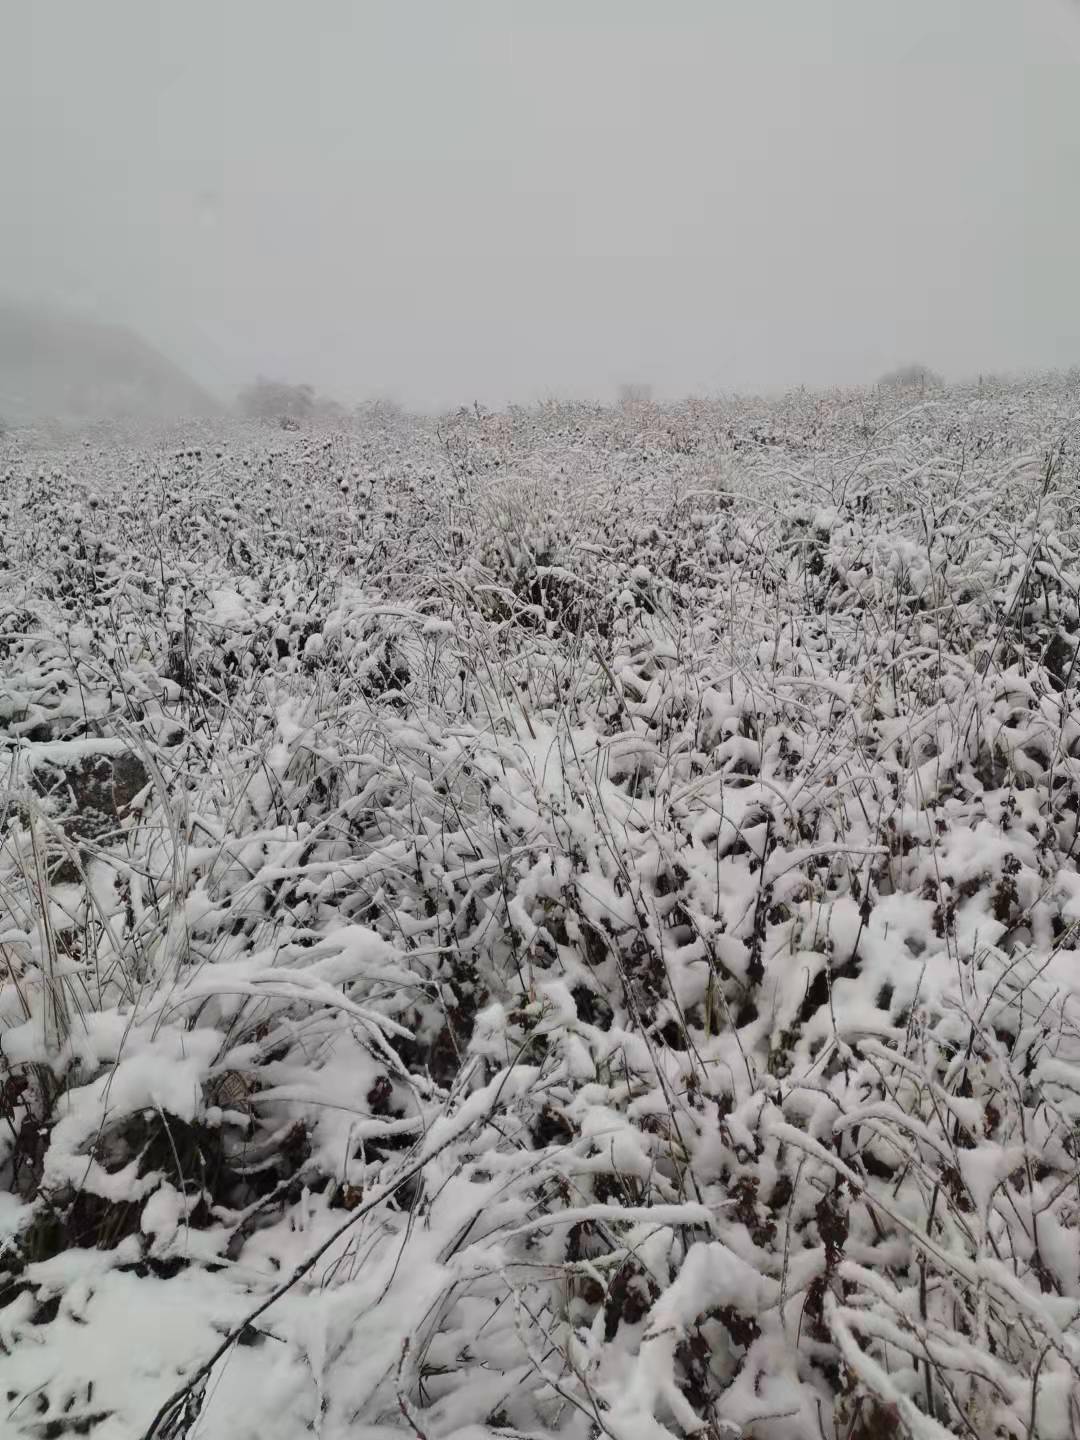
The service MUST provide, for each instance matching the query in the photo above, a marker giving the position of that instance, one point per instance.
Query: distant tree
(273, 400)
(634, 393)
(379, 410)
(914, 377)
(330, 411)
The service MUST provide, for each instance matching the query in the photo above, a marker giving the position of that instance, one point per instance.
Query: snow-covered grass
(561, 923)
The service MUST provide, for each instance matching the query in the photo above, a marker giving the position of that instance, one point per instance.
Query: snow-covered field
(555, 924)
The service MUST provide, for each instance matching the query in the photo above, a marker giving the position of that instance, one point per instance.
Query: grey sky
(489, 199)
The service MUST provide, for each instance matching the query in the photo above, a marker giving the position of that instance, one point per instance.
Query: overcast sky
(496, 200)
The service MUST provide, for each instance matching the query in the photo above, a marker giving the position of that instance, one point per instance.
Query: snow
(598, 953)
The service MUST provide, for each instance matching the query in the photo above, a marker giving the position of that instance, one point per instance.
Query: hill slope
(57, 365)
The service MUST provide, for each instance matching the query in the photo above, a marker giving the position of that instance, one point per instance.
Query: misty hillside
(57, 365)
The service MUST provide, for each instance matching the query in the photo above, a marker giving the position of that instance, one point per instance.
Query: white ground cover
(551, 924)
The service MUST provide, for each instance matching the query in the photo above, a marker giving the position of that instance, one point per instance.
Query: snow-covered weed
(560, 923)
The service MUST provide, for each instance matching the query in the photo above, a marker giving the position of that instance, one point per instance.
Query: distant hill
(55, 365)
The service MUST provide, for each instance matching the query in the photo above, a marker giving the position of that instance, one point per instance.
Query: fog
(500, 201)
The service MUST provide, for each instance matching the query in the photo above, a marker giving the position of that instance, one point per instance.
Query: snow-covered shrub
(592, 949)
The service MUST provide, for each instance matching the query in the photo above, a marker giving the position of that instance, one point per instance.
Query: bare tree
(634, 393)
(916, 377)
(275, 401)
